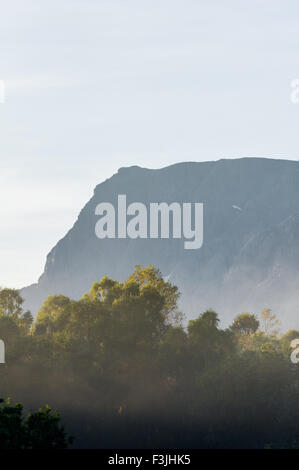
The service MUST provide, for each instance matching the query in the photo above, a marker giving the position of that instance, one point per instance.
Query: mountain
(249, 259)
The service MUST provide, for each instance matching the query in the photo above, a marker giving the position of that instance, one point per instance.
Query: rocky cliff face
(250, 255)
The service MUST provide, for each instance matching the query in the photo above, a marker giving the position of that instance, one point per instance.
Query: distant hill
(250, 255)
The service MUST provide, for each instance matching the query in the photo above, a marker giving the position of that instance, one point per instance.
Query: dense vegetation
(39, 430)
(124, 372)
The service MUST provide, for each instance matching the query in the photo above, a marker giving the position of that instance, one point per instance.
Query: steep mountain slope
(250, 255)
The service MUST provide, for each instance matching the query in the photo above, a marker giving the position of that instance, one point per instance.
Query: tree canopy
(126, 370)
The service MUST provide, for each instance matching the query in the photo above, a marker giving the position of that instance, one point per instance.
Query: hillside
(250, 254)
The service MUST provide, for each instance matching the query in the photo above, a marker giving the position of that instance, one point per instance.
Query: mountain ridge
(244, 199)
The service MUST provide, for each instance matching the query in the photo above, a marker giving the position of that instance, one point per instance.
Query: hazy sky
(92, 85)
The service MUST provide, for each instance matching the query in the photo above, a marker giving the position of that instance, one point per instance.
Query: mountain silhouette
(249, 259)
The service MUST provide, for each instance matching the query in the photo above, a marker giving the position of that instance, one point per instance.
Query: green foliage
(39, 430)
(11, 307)
(151, 276)
(245, 324)
(269, 322)
(10, 303)
(125, 372)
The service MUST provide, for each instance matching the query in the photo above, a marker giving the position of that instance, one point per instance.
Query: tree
(210, 319)
(152, 276)
(53, 314)
(245, 324)
(43, 430)
(39, 430)
(207, 342)
(135, 378)
(206, 323)
(269, 322)
(173, 351)
(11, 305)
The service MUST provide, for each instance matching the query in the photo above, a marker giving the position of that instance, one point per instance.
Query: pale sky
(93, 85)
